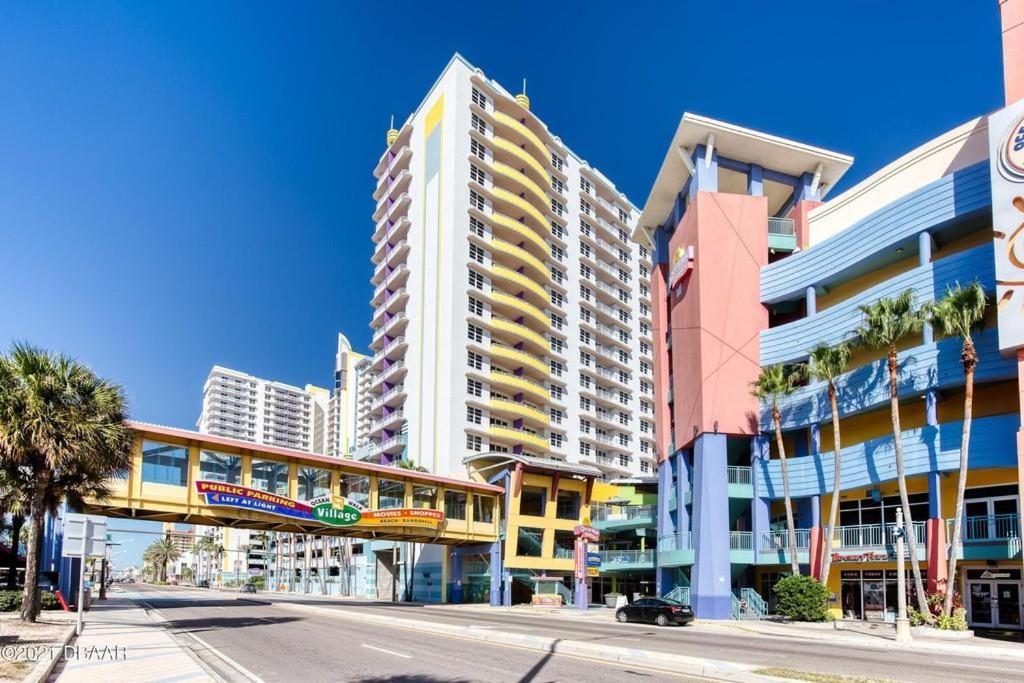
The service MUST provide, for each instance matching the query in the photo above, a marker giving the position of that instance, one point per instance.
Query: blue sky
(183, 184)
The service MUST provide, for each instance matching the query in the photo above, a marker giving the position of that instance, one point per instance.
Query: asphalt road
(279, 644)
(715, 643)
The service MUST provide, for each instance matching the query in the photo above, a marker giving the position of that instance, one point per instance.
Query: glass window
(424, 497)
(565, 543)
(568, 505)
(221, 467)
(356, 487)
(390, 494)
(313, 483)
(530, 542)
(483, 509)
(455, 504)
(531, 501)
(163, 463)
(271, 476)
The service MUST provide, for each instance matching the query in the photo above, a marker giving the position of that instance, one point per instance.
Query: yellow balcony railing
(513, 355)
(524, 410)
(523, 180)
(521, 306)
(521, 154)
(519, 435)
(539, 149)
(507, 379)
(522, 230)
(518, 278)
(523, 205)
(521, 254)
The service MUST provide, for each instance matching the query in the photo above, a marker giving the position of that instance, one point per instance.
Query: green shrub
(802, 598)
(916, 618)
(10, 601)
(955, 622)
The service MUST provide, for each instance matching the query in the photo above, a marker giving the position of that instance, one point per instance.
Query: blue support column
(760, 505)
(682, 488)
(755, 181)
(924, 257)
(706, 171)
(457, 577)
(711, 588)
(496, 575)
(666, 524)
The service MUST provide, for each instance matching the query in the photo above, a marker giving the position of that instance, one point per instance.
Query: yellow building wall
(549, 523)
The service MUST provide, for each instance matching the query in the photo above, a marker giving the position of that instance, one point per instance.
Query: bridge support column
(938, 560)
(456, 577)
(496, 574)
(712, 572)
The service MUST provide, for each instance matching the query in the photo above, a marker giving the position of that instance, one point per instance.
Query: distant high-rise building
(511, 310)
(343, 409)
(241, 406)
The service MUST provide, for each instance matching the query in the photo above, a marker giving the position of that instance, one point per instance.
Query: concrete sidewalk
(125, 642)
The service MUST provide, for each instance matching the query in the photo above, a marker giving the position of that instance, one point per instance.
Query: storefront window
(455, 504)
(221, 467)
(530, 542)
(483, 509)
(568, 505)
(356, 488)
(869, 594)
(270, 476)
(390, 494)
(313, 483)
(531, 501)
(424, 497)
(164, 463)
(565, 542)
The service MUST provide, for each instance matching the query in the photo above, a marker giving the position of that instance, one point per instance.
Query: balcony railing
(987, 528)
(782, 226)
(779, 540)
(741, 540)
(670, 542)
(615, 513)
(740, 475)
(626, 557)
(873, 535)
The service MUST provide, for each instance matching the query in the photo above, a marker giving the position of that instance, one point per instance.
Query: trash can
(611, 599)
(87, 599)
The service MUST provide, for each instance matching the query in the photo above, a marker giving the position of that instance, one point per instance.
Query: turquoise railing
(680, 594)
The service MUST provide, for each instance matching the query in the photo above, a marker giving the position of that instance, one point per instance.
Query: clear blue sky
(183, 184)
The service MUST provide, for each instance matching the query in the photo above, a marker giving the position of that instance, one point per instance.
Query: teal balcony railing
(613, 560)
(990, 537)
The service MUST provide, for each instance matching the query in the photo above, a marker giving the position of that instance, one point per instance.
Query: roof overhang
(738, 143)
(535, 463)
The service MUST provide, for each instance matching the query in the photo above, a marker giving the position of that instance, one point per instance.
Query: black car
(660, 611)
(205, 583)
(249, 588)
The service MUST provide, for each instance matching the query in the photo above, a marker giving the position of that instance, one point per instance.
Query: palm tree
(773, 383)
(63, 434)
(162, 552)
(958, 314)
(886, 323)
(826, 364)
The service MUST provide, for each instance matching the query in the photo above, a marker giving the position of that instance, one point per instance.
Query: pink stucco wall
(1011, 14)
(717, 316)
(799, 215)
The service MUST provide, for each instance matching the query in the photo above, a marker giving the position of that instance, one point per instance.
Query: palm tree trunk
(37, 519)
(969, 358)
(901, 477)
(833, 513)
(17, 523)
(790, 528)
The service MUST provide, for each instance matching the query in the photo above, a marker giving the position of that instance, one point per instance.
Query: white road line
(227, 660)
(387, 652)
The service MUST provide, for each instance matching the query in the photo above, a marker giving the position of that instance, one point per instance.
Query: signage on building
(587, 533)
(1006, 169)
(328, 510)
(870, 556)
(682, 265)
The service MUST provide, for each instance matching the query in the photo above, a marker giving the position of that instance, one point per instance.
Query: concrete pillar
(457, 577)
(760, 505)
(496, 575)
(712, 574)
(812, 301)
(935, 528)
(924, 256)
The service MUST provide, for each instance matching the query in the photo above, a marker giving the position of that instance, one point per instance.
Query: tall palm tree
(887, 322)
(958, 314)
(773, 383)
(826, 364)
(162, 552)
(63, 434)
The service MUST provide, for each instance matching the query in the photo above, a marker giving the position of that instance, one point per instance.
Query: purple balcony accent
(519, 320)
(518, 450)
(518, 372)
(387, 410)
(519, 346)
(521, 295)
(385, 459)
(518, 424)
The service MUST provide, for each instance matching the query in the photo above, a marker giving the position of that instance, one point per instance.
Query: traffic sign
(77, 539)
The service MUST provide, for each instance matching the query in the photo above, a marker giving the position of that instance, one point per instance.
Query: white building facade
(343, 423)
(511, 310)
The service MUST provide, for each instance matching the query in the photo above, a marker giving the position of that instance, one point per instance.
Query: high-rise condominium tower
(343, 410)
(244, 407)
(511, 310)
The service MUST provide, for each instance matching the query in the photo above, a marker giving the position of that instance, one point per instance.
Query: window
(529, 542)
(586, 337)
(557, 207)
(474, 415)
(644, 253)
(565, 544)
(585, 206)
(557, 162)
(477, 253)
(476, 175)
(586, 251)
(478, 150)
(455, 504)
(557, 299)
(586, 403)
(531, 501)
(623, 336)
(476, 280)
(623, 439)
(586, 359)
(645, 291)
(624, 419)
(645, 387)
(645, 427)
(645, 447)
(623, 235)
(475, 333)
(645, 310)
(476, 201)
(624, 217)
(645, 350)
(479, 99)
(557, 252)
(479, 125)
(645, 329)
(557, 230)
(585, 229)
(624, 461)
(313, 483)
(476, 307)
(585, 426)
(557, 275)
(585, 381)
(163, 463)
(567, 505)
(390, 494)
(624, 255)
(483, 509)
(474, 443)
(558, 186)
(585, 293)
(644, 271)
(220, 467)
(556, 440)
(557, 416)
(586, 272)
(424, 497)
(558, 346)
(623, 275)
(557, 368)
(270, 476)
(557, 321)
(477, 227)
(474, 387)
(585, 449)
(557, 393)
(475, 360)
(585, 185)
(645, 466)
(356, 488)
(624, 296)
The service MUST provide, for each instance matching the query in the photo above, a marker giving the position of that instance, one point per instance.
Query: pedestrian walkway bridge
(182, 476)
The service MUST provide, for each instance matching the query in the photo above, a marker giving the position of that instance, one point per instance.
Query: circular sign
(1011, 156)
(343, 516)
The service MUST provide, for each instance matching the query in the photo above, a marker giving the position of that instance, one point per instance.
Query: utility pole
(902, 623)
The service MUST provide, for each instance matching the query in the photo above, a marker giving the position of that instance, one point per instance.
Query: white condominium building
(242, 406)
(343, 410)
(511, 310)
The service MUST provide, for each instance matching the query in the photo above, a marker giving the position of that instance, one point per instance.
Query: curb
(661, 661)
(44, 667)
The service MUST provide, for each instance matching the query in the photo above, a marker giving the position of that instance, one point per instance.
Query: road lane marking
(227, 660)
(387, 652)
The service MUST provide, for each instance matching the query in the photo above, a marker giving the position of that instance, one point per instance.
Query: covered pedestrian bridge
(186, 477)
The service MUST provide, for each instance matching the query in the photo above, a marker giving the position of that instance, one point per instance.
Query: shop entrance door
(994, 604)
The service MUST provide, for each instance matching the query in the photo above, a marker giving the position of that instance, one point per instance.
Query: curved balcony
(527, 411)
(521, 180)
(850, 252)
(515, 356)
(519, 384)
(500, 220)
(509, 275)
(520, 436)
(538, 148)
(503, 195)
(993, 444)
(519, 332)
(623, 517)
(385, 231)
(928, 366)
(506, 301)
(386, 189)
(519, 254)
(500, 143)
(396, 156)
(793, 341)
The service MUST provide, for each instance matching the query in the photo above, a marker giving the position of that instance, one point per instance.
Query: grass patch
(781, 672)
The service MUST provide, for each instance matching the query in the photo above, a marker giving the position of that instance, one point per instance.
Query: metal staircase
(747, 604)
(679, 594)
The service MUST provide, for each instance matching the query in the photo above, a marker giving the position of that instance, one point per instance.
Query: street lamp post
(902, 622)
